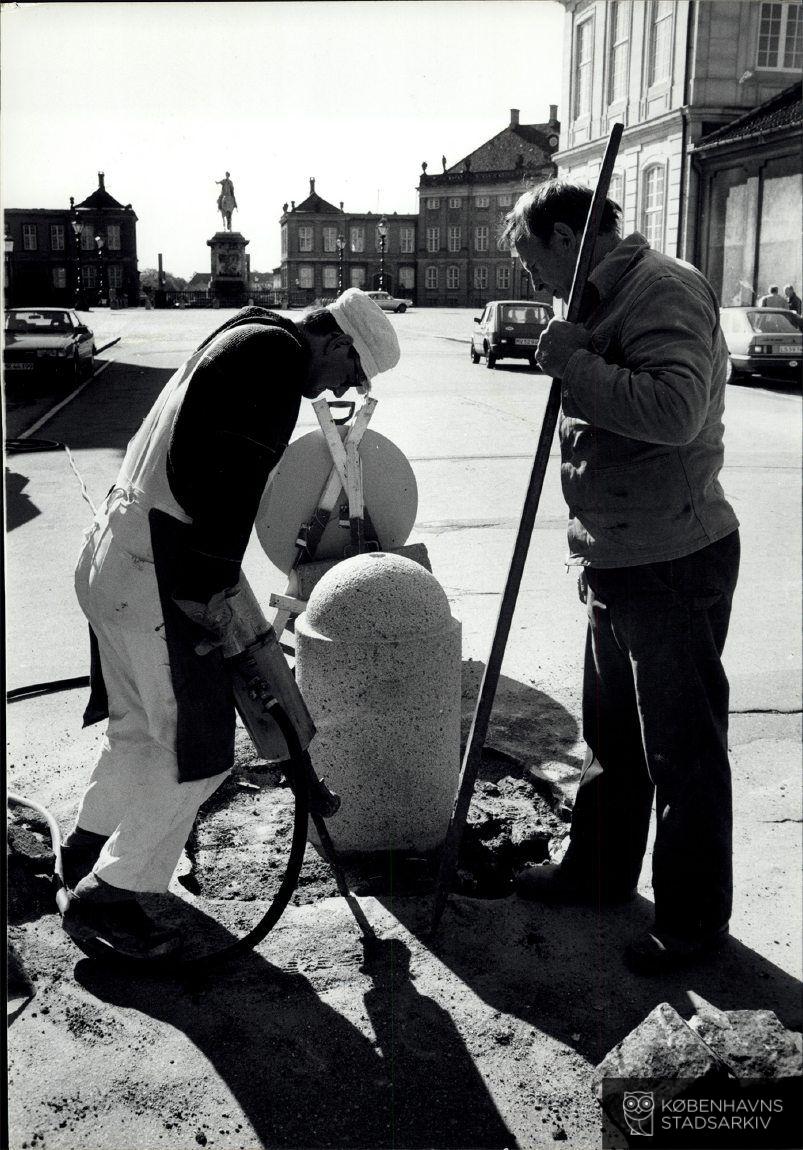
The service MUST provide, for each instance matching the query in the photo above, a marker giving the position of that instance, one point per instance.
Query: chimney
(341, 205)
(553, 113)
(101, 181)
(292, 205)
(312, 185)
(514, 117)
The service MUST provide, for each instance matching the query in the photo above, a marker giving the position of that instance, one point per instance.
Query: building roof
(100, 200)
(199, 280)
(315, 203)
(781, 113)
(516, 149)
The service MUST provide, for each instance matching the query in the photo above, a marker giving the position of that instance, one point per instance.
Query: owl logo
(638, 1107)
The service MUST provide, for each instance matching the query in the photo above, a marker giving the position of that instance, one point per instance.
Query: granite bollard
(378, 663)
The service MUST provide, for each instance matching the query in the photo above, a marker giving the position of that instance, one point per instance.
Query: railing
(194, 299)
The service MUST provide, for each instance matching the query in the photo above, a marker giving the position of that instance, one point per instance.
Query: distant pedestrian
(792, 299)
(774, 299)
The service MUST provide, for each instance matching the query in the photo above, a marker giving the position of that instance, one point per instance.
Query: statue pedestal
(229, 283)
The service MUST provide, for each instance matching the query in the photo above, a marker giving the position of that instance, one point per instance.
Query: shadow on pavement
(301, 1072)
(560, 968)
(20, 508)
(108, 411)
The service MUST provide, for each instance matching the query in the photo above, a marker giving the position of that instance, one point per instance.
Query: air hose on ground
(312, 797)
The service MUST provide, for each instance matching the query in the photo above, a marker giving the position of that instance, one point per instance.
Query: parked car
(388, 302)
(508, 329)
(47, 343)
(763, 342)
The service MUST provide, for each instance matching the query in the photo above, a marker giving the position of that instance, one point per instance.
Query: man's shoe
(550, 883)
(120, 928)
(654, 953)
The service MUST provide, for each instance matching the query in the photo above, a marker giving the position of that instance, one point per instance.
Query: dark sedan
(763, 342)
(48, 344)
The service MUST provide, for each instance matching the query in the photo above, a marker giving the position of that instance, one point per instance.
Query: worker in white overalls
(165, 546)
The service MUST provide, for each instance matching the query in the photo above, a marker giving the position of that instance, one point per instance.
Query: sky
(164, 98)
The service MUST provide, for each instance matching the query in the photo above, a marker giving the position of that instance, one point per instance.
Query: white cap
(372, 332)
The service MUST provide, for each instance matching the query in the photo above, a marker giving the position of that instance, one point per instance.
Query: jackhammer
(280, 726)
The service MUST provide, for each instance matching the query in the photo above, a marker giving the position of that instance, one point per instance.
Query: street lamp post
(99, 242)
(340, 243)
(77, 230)
(8, 251)
(382, 229)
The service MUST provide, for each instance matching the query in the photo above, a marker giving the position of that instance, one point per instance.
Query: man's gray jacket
(641, 425)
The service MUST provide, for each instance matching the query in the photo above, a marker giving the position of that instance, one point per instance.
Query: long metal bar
(490, 678)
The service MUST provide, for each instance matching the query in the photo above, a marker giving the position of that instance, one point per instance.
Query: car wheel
(402, 307)
(475, 358)
(89, 367)
(533, 363)
(490, 359)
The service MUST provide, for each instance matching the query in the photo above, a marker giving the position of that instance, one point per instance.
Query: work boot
(653, 953)
(552, 883)
(79, 853)
(101, 918)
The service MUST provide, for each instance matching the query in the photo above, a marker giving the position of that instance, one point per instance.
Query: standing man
(164, 548)
(792, 298)
(774, 299)
(643, 387)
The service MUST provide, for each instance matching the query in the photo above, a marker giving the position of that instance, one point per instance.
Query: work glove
(214, 618)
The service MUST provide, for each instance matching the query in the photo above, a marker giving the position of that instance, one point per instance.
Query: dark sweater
(232, 427)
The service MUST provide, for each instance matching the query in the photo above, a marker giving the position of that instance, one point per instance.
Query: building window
(454, 201)
(87, 239)
(583, 53)
(29, 241)
(453, 276)
(505, 200)
(357, 277)
(660, 40)
(652, 212)
(113, 237)
(780, 36)
(620, 50)
(330, 239)
(284, 239)
(503, 277)
(616, 189)
(89, 275)
(357, 240)
(433, 239)
(305, 276)
(407, 240)
(57, 238)
(329, 276)
(454, 239)
(480, 277)
(59, 277)
(482, 201)
(481, 239)
(115, 274)
(433, 205)
(407, 278)
(431, 277)
(305, 239)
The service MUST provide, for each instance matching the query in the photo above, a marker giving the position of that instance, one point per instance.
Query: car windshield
(39, 322)
(523, 315)
(771, 322)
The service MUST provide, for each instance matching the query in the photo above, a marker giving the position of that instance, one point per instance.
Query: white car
(388, 302)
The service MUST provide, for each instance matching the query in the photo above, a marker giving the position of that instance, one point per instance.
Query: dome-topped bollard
(378, 659)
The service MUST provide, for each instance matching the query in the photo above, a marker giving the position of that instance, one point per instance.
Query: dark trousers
(655, 719)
